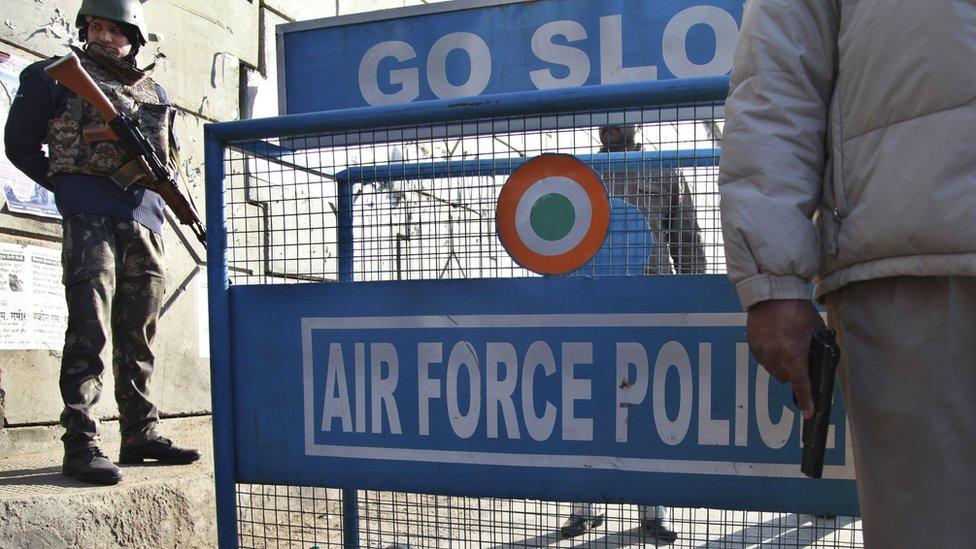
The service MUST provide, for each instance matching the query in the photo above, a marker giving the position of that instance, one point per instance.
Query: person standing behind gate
(849, 159)
(112, 256)
(665, 200)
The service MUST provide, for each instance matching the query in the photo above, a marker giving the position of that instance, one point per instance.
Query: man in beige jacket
(849, 159)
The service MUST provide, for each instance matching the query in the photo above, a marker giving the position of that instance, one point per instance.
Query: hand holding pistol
(824, 356)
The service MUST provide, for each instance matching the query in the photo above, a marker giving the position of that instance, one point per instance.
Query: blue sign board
(478, 47)
(637, 389)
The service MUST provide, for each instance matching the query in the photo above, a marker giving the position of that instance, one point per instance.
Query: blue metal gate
(385, 374)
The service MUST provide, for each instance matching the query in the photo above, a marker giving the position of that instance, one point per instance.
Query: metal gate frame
(217, 139)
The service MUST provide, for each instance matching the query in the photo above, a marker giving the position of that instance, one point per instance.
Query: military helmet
(120, 11)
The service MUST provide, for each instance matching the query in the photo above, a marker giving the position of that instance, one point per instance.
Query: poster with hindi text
(33, 314)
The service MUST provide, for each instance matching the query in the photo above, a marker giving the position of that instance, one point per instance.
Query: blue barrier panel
(477, 47)
(641, 386)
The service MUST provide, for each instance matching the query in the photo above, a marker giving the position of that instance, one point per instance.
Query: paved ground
(275, 516)
(173, 507)
(152, 507)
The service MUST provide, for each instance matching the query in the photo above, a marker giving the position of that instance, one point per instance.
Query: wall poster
(21, 193)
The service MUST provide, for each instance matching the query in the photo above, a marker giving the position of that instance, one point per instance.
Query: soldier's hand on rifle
(779, 333)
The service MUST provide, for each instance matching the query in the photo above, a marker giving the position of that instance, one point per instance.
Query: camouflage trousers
(114, 283)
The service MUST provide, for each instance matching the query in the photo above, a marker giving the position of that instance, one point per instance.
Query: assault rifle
(147, 170)
(824, 356)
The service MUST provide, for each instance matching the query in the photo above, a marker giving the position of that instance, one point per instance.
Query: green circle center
(552, 216)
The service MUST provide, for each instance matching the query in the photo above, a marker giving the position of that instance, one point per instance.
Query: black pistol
(824, 355)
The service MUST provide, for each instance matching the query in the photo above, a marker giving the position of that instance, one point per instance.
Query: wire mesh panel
(281, 516)
(421, 199)
(418, 202)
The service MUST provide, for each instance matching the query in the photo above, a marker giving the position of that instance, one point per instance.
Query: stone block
(299, 10)
(346, 7)
(30, 377)
(18, 441)
(198, 45)
(44, 227)
(203, 45)
(152, 507)
(44, 27)
(261, 91)
(181, 384)
(230, 26)
(30, 380)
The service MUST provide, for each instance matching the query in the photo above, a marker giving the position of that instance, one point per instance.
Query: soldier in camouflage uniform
(112, 255)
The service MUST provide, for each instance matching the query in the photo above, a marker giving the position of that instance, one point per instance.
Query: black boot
(159, 449)
(579, 524)
(660, 531)
(91, 465)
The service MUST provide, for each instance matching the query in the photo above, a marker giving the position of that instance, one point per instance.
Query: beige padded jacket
(849, 151)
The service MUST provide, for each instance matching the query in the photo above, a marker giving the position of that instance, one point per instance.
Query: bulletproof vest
(67, 149)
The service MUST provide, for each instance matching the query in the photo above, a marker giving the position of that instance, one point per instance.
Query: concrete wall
(205, 52)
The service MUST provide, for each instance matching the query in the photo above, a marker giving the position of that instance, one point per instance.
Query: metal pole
(533, 103)
(350, 519)
(345, 233)
(221, 361)
(350, 498)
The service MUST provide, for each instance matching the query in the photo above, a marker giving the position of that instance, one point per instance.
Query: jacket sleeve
(774, 149)
(27, 122)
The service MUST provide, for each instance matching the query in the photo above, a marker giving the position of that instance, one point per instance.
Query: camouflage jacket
(144, 101)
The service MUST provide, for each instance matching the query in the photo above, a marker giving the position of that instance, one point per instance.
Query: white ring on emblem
(581, 204)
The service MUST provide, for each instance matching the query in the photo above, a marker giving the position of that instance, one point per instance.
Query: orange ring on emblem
(553, 214)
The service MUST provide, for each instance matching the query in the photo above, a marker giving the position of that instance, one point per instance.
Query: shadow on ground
(44, 476)
(786, 531)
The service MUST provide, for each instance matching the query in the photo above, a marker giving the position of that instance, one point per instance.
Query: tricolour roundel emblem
(553, 214)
